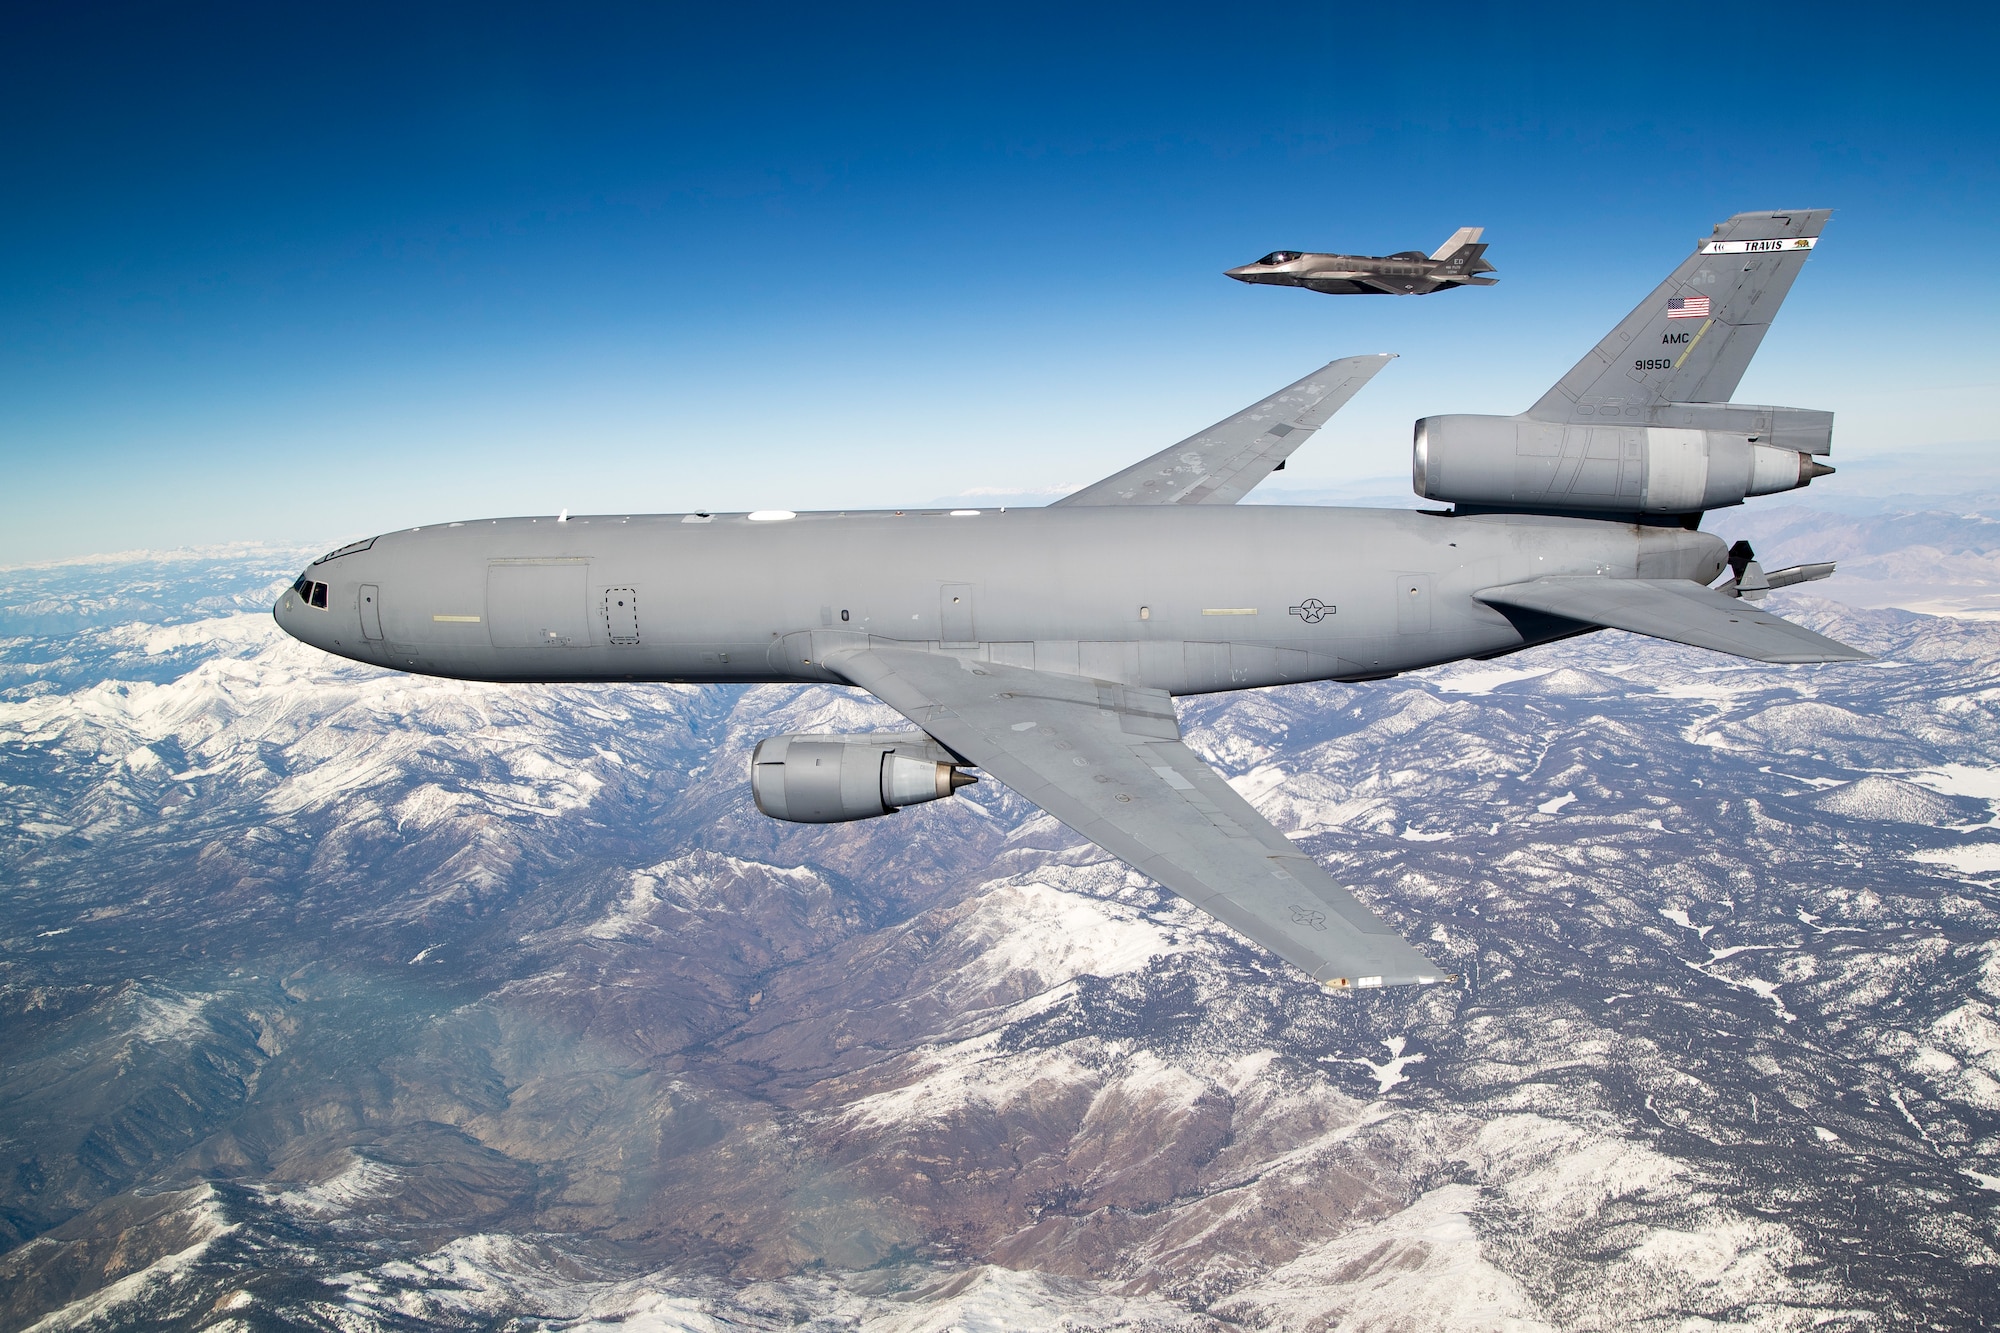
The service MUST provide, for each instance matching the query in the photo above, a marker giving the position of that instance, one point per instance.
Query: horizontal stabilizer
(1677, 610)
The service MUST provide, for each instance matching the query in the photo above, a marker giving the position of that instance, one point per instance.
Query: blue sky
(300, 275)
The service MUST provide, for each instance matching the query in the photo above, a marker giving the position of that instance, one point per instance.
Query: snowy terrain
(345, 1000)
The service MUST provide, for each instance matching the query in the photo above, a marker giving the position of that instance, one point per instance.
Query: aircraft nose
(301, 608)
(285, 611)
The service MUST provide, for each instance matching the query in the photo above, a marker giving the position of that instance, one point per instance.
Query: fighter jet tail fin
(1462, 264)
(1461, 238)
(1692, 339)
(1461, 259)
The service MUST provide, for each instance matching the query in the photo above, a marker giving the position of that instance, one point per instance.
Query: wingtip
(1345, 985)
(1848, 653)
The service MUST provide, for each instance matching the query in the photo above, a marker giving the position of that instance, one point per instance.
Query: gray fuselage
(1188, 599)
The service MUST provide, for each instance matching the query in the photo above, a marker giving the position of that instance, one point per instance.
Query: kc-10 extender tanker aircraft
(1044, 646)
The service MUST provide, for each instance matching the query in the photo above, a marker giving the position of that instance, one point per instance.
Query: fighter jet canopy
(1280, 257)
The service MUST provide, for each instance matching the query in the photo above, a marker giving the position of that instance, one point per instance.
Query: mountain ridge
(353, 1000)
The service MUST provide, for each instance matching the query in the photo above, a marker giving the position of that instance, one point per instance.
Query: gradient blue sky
(288, 274)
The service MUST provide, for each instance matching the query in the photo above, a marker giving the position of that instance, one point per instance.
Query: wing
(1678, 610)
(1373, 282)
(1220, 465)
(1107, 760)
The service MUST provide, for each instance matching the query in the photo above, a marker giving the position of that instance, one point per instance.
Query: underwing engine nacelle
(831, 779)
(1682, 458)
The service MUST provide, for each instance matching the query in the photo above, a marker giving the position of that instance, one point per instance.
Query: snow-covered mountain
(346, 1000)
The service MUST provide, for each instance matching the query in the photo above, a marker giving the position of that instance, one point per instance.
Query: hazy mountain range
(345, 1000)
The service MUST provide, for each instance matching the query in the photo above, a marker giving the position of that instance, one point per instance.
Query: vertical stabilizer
(1462, 264)
(1462, 237)
(1692, 339)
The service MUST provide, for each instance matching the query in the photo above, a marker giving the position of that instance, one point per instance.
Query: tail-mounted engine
(831, 779)
(1688, 458)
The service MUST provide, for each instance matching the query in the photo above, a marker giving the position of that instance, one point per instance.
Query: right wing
(1220, 465)
(1678, 610)
(1107, 760)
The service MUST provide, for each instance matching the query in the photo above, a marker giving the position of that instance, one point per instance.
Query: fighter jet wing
(1220, 465)
(1677, 610)
(1107, 760)
(1378, 283)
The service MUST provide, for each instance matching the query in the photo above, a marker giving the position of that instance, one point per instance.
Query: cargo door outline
(538, 603)
(371, 612)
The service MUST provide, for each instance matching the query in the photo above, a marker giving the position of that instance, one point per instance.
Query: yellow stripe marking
(1693, 343)
(1229, 610)
(456, 620)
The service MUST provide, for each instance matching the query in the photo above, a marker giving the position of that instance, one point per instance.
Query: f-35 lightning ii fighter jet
(1045, 646)
(1457, 263)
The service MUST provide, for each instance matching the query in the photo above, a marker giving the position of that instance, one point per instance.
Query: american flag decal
(1687, 307)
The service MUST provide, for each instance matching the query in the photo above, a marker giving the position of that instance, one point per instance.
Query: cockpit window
(310, 592)
(1279, 257)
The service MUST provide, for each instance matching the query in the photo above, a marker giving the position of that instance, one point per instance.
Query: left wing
(1107, 760)
(1220, 465)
